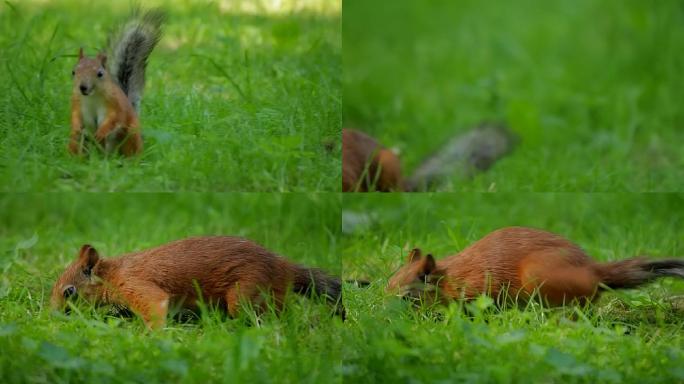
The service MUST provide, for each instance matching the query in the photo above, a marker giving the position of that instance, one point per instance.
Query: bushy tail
(631, 273)
(130, 48)
(312, 282)
(465, 154)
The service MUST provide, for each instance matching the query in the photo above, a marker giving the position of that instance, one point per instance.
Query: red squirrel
(106, 92)
(367, 165)
(228, 271)
(519, 262)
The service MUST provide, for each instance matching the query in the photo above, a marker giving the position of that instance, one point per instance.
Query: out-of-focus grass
(40, 234)
(241, 96)
(628, 336)
(593, 88)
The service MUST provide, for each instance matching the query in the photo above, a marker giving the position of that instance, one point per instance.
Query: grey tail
(312, 282)
(631, 273)
(464, 155)
(130, 48)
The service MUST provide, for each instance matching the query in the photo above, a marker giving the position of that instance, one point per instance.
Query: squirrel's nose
(83, 88)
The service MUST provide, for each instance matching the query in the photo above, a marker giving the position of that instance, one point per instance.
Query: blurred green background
(300, 226)
(593, 88)
(378, 230)
(41, 233)
(240, 96)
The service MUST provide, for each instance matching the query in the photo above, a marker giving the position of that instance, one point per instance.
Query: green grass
(593, 88)
(240, 97)
(628, 336)
(40, 234)
(245, 97)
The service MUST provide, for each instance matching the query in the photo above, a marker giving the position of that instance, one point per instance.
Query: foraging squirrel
(107, 90)
(228, 271)
(521, 262)
(368, 166)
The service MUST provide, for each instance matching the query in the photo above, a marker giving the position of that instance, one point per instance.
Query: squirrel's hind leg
(246, 295)
(132, 144)
(75, 144)
(149, 301)
(557, 281)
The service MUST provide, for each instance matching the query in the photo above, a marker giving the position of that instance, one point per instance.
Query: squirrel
(369, 166)
(520, 263)
(224, 270)
(107, 91)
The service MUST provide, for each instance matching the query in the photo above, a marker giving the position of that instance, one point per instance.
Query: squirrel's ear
(80, 53)
(414, 255)
(102, 58)
(430, 264)
(88, 257)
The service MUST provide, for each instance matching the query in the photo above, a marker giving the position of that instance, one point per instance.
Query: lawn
(593, 89)
(240, 96)
(628, 336)
(41, 234)
(633, 336)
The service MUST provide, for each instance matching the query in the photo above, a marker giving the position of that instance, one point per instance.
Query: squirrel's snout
(84, 89)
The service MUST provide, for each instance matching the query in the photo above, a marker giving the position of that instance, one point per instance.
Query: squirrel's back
(219, 262)
(509, 246)
(503, 254)
(208, 258)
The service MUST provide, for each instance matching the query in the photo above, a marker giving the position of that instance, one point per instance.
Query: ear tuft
(430, 264)
(88, 256)
(80, 53)
(414, 255)
(103, 59)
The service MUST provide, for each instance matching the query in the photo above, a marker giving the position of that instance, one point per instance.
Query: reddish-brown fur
(367, 165)
(521, 261)
(228, 271)
(104, 108)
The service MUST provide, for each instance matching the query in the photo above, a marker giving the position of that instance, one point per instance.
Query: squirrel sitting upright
(107, 91)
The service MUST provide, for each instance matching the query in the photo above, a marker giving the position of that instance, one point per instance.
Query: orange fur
(366, 165)
(521, 261)
(229, 271)
(99, 104)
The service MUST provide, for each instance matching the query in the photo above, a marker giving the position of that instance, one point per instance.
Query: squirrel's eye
(73, 73)
(69, 291)
(100, 73)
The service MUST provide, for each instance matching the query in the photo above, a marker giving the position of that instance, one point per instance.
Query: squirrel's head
(417, 279)
(89, 72)
(78, 280)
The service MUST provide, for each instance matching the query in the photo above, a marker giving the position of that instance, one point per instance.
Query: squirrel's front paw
(74, 147)
(100, 137)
